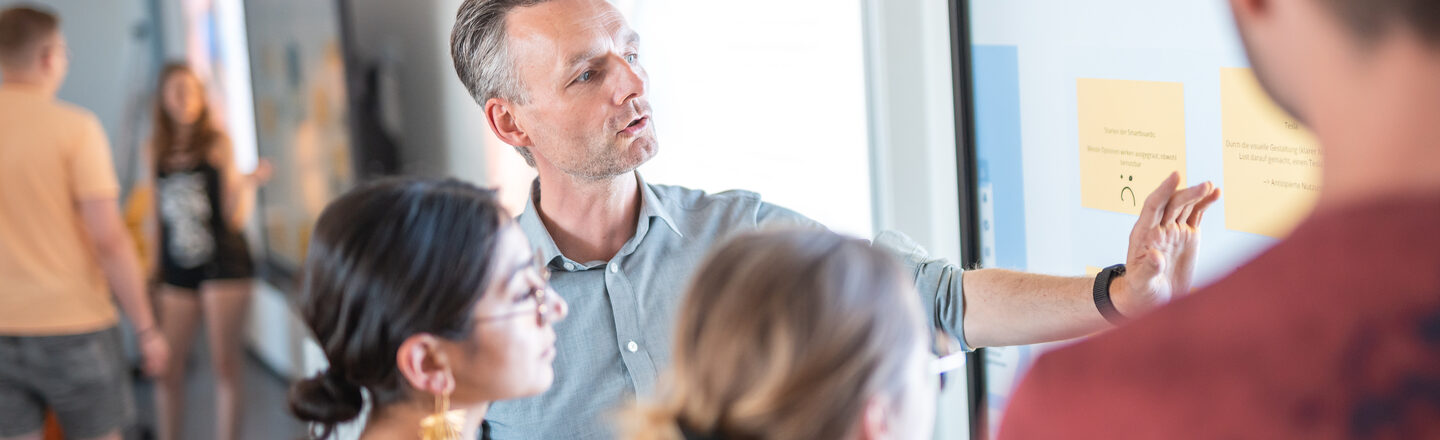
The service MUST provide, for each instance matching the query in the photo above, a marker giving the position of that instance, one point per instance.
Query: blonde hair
(784, 335)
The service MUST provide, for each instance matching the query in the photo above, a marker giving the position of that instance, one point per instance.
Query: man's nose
(631, 83)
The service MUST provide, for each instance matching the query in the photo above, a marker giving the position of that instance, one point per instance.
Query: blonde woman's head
(795, 335)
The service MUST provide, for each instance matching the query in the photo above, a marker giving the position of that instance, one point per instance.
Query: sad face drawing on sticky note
(1127, 189)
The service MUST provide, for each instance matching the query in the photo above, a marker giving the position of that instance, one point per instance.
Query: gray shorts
(82, 378)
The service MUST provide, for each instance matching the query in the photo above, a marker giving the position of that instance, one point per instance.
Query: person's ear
(500, 113)
(1250, 9)
(46, 60)
(424, 366)
(875, 419)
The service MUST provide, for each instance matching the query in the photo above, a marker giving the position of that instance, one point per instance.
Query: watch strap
(1102, 294)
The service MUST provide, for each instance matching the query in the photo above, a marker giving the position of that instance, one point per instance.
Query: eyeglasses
(948, 357)
(538, 293)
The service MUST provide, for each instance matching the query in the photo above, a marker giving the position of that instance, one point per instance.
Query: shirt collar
(651, 206)
(534, 228)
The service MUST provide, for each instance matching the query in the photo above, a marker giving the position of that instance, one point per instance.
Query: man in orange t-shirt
(1333, 333)
(63, 248)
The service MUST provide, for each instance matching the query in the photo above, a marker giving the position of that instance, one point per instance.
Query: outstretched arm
(997, 307)
(1013, 308)
(237, 188)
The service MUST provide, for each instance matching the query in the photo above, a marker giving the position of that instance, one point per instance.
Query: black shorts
(232, 261)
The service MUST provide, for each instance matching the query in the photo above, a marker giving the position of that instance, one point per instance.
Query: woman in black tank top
(202, 202)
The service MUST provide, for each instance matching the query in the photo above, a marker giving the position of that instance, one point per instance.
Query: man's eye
(586, 76)
(631, 58)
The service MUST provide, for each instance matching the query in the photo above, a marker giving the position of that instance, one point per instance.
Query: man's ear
(500, 113)
(45, 57)
(875, 419)
(424, 366)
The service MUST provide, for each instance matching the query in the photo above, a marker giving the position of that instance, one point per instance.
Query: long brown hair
(203, 133)
(785, 335)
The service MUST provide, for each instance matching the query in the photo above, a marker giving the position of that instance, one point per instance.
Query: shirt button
(632, 346)
(570, 266)
(615, 268)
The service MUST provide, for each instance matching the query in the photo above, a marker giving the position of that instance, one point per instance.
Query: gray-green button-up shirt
(617, 338)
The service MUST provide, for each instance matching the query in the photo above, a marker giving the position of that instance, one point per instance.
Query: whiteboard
(1082, 108)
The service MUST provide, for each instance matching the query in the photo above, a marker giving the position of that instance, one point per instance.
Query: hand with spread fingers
(1161, 260)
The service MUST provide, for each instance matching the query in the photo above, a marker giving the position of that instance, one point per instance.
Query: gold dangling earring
(444, 424)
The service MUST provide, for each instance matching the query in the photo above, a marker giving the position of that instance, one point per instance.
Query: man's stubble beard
(611, 161)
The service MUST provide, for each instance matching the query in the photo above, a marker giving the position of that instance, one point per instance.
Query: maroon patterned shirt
(1333, 333)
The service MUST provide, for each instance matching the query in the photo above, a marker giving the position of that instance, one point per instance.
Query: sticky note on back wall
(1132, 136)
(1272, 163)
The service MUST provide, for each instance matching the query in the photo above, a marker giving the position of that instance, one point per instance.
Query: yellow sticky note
(1132, 136)
(1091, 271)
(1272, 163)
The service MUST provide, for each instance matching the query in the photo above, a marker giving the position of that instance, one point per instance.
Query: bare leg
(179, 317)
(226, 305)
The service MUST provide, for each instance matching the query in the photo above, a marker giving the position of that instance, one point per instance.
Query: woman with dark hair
(426, 296)
(203, 201)
(800, 334)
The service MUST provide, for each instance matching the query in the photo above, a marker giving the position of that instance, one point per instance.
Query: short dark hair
(389, 260)
(22, 29)
(1372, 19)
(481, 55)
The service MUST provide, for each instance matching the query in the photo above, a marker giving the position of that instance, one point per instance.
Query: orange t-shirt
(52, 156)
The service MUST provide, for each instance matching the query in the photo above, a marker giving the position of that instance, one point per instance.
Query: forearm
(122, 271)
(237, 189)
(241, 203)
(996, 307)
(1005, 307)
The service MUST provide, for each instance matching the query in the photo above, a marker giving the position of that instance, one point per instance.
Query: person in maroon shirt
(1335, 331)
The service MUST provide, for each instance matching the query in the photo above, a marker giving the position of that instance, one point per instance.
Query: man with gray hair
(562, 81)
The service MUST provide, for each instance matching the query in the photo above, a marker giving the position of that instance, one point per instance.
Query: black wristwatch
(1102, 294)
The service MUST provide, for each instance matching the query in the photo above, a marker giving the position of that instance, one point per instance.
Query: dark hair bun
(389, 259)
(326, 399)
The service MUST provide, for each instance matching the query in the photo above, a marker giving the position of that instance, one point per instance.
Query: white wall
(912, 122)
(778, 109)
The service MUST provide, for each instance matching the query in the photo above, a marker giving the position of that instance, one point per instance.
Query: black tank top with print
(196, 243)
